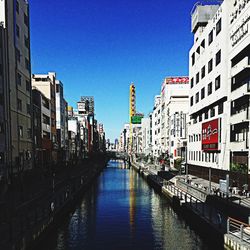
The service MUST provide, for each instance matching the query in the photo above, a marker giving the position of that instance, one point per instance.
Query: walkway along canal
(121, 211)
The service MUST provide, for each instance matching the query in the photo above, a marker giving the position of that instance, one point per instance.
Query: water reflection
(120, 211)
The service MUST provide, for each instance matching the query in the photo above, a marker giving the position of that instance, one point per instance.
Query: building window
(218, 27)
(210, 37)
(18, 55)
(17, 31)
(21, 131)
(19, 105)
(1, 158)
(220, 108)
(25, 19)
(197, 77)
(200, 118)
(193, 59)
(203, 72)
(192, 82)
(210, 65)
(203, 93)
(217, 82)
(218, 57)
(26, 42)
(203, 44)
(27, 86)
(17, 7)
(206, 114)
(1, 128)
(191, 101)
(198, 50)
(29, 134)
(19, 79)
(27, 64)
(212, 112)
(28, 108)
(209, 88)
(197, 97)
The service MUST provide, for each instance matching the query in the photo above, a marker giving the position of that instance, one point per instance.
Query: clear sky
(98, 47)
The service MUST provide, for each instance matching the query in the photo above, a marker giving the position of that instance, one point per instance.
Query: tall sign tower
(132, 112)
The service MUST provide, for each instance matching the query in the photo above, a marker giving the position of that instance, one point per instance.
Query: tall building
(61, 122)
(174, 117)
(46, 84)
(239, 88)
(37, 104)
(219, 92)
(156, 127)
(15, 88)
(146, 127)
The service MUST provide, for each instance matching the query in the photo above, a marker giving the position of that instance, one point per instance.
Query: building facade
(219, 100)
(15, 77)
(146, 127)
(46, 84)
(156, 127)
(239, 88)
(174, 117)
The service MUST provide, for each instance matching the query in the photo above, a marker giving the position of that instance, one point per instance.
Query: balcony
(242, 90)
(242, 116)
(239, 145)
(244, 64)
(46, 127)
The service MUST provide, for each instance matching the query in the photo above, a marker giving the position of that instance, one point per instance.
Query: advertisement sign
(2, 13)
(178, 80)
(136, 119)
(210, 135)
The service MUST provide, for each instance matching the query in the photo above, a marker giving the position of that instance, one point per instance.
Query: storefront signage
(239, 6)
(210, 135)
(241, 30)
(178, 80)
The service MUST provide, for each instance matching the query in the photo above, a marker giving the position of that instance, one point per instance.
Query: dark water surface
(120, 211)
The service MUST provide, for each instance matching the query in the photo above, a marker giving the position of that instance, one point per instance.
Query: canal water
(120, 211)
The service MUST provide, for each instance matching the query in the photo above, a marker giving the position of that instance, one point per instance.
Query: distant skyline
(99, 47)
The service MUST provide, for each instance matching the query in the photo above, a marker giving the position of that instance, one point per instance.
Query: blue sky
(98, 47)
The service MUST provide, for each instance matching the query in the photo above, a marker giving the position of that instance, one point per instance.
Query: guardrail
(238, 229)
(189, 199)
(195, 192)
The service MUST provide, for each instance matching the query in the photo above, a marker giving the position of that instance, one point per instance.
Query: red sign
(210, 135)
(173, 80)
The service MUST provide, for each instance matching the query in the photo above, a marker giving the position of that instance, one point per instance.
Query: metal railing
(238, 229)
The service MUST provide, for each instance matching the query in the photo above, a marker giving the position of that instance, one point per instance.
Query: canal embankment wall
(25, 224)
(187, 207)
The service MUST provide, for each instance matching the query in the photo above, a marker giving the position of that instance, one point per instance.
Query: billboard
(136, 119)
(210, 135)
(177, 80)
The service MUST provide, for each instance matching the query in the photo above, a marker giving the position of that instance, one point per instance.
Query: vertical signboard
(210, 135)
(2, 13)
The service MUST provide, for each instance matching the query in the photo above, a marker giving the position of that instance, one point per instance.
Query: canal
(120, 211)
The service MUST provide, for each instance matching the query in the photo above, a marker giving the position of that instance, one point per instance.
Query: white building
(174, 117)
(156, 127)
(146, 127)
(60, 115)
(219, 91)
(45, 83)
(239, 85)
(124, 138)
